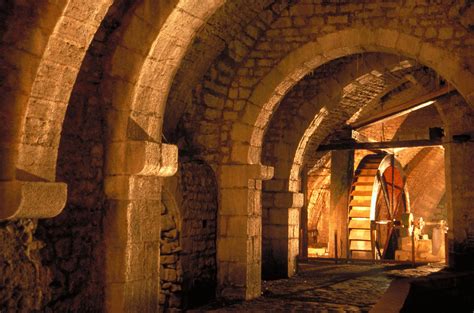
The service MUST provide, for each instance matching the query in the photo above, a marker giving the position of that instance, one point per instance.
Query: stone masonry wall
(23, 279)
(74, 250)
(171, 272)
(252, 56)
(199, 213)
(188, 247)
(318, 207)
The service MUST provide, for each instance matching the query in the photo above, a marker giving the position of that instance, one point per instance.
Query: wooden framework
(378, 200)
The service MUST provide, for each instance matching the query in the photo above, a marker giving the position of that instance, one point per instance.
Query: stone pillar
(239, 242)
(132, 224)
(342, 170)
(304, 218)
(281, 234)
(460, 202)
(459, 155)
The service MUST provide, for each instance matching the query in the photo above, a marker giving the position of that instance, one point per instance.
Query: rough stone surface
(325, 287)
(230, 83)
(24, 280)
(171, 272)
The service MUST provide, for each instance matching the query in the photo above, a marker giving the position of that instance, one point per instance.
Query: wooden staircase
(360, 243)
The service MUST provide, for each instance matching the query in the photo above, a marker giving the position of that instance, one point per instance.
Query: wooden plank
(359, 224)
(362, 255)
(403, 108)
(359, 213)
(361, 245)
(361, 198)
(365, 179)
(363, 204)
(359, 234)
(363, 193)
(380, 145)
(367, 172)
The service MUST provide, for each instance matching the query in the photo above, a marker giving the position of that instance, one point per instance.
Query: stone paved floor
(324, 287)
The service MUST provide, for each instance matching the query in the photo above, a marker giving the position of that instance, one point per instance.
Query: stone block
(238, 176)
(20, 199)
(142, 158)
(288, 200)
(133, 187)
(409, 44)
(234, 202)
(387, 38)
(232, 249)
(169, 274)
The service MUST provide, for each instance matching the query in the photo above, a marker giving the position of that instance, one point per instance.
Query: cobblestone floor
(325, 287)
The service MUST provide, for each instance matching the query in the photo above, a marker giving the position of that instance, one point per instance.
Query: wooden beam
(403, 108)
(380, 145)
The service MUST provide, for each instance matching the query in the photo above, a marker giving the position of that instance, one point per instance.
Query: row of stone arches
(115, 184)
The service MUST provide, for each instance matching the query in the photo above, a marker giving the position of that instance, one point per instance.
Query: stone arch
(287, 153)
(52, 86)
(268, 93)
(136, 161)
(258, 110)
(48, 63)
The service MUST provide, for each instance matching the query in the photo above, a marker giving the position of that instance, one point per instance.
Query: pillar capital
(288, 199)
(23, 199)
(237, 175)
(143, 158)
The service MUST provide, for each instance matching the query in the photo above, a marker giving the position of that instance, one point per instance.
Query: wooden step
(362, 255)
(375, 157)
(374, 165)
(361, 183)
(366, 172)
(363, 204)
(365, 213)
(360, 245)
(365, 179)
(362, 193)
(360, 198)
(359, 223)
(359, 234)
(367, 187)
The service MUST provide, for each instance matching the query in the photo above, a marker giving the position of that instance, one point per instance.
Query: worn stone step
(359, 234)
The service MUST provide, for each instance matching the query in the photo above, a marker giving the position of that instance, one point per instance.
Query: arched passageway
(101, 97)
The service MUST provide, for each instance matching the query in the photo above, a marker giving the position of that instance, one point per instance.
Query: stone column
(342, 170)
(459, 155)
(460, 202)
(304, 218)
(281, 233)
(132, 224)
(239, 242)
